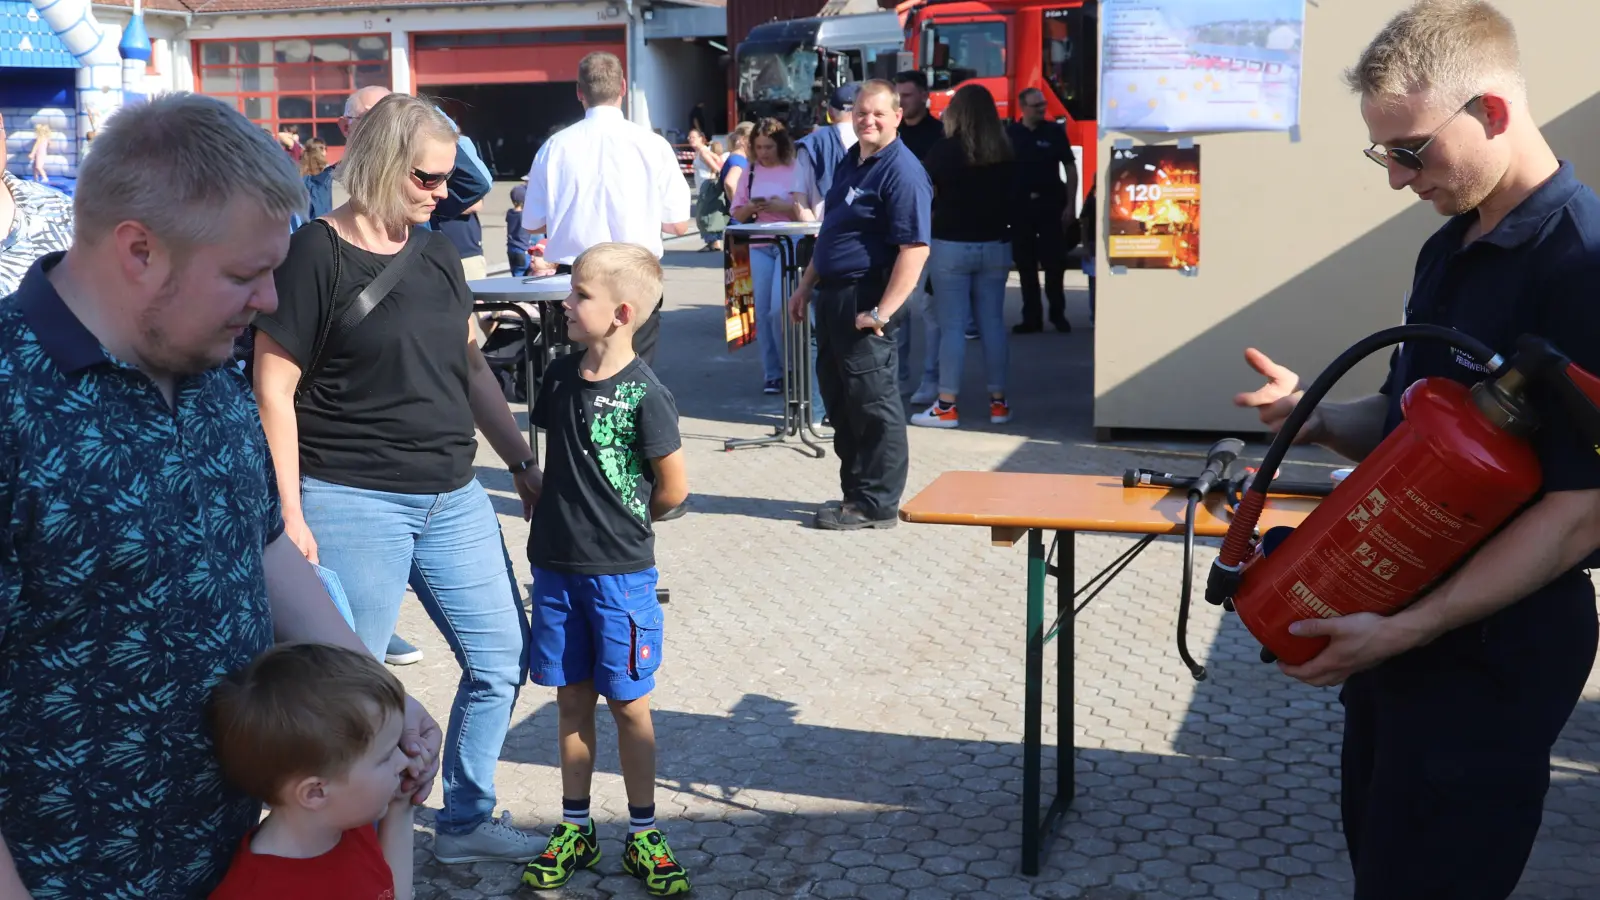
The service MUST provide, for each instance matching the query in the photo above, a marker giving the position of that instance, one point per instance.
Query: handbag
(364, 303)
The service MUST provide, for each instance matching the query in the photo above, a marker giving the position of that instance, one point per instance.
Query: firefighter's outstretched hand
(1274, 400)
(1357, 642)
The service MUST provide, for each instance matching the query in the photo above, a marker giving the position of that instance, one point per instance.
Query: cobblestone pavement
(840, 714)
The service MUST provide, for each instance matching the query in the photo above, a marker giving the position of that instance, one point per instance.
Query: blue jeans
(766, 278)
(517, 261)
(919, 304)
(448, 547)
(969, 279)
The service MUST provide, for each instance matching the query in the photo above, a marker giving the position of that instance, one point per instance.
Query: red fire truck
(787, 68)
(1008, 46)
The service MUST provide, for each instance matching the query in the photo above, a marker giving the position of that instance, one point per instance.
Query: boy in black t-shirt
(614, 465)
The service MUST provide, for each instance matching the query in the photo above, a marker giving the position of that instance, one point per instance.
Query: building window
(295, 83)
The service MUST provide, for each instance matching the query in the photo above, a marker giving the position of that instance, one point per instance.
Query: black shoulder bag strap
(365, 302)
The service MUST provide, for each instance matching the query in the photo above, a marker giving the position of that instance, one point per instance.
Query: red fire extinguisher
(1439, 485)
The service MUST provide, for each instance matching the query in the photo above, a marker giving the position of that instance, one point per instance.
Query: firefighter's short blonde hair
(1452, 50)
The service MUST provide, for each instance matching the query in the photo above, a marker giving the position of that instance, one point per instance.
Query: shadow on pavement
(950, 809)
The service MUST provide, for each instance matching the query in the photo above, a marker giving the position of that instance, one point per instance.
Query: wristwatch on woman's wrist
(875, 320)
(523, 466)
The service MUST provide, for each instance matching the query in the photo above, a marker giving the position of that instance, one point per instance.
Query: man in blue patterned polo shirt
(141, 546)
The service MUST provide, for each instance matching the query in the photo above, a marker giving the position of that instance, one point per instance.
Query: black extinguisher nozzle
(1267, 656)
(1221, 584)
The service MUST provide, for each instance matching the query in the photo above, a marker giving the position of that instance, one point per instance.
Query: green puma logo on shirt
(613, 431)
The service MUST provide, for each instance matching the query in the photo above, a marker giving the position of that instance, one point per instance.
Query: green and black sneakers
(648, 858)
(571, 849)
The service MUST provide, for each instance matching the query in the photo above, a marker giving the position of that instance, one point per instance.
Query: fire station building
(504, 71)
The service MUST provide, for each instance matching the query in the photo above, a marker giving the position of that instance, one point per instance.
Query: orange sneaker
(936, 416)
(999, 412)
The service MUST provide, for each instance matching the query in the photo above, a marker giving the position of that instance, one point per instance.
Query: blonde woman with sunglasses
(371, 420)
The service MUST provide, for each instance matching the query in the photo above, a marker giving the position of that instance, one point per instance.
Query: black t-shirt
(594, 515)
(921, 137)
(388, 410)
(970, 203)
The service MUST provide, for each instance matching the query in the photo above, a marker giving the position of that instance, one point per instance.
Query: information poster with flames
(1155, 207)
(739, 297)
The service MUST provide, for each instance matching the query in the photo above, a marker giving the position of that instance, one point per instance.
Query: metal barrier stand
(798, 377)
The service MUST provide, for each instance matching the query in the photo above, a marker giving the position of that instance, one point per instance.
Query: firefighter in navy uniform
(1452, 705)
(869, 254)
(1038, 239)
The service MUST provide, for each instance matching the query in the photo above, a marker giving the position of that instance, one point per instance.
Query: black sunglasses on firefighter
(429, 180)
(1412, 159)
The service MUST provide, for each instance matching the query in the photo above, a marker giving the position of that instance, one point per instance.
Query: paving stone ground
(840, 714)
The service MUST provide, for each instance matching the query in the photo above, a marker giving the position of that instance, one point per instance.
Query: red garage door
(509, 57)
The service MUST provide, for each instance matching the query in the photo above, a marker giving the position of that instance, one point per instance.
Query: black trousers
(1446, 758)
(857, 376)
(1037, 243)
(647, 335)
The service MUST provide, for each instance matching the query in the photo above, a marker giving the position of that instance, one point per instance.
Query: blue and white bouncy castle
(110, 71)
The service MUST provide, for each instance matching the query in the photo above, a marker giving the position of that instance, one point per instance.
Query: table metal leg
(797, 374)
(1036, 829)
(1033, 703)
(1066, 746)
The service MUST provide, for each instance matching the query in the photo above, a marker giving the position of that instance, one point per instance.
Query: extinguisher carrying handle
(1223, 580)
(1576, 389)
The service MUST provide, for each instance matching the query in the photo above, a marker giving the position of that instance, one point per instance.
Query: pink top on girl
(773, 182)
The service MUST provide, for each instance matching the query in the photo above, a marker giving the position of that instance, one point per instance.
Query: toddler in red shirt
(313, 731)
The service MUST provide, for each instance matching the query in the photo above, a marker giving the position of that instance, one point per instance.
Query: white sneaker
(495, 840)
(934, 417)
(926, 393)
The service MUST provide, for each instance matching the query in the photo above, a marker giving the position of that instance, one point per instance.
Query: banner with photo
(1201, 65)
(1154, 208)
(739, 296)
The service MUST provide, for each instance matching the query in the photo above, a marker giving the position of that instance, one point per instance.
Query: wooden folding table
(1012, 505)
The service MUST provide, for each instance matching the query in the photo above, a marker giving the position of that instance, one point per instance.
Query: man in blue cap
(818, 153)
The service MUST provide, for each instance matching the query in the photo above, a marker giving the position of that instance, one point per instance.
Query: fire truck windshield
(962, 51)
(772, 75)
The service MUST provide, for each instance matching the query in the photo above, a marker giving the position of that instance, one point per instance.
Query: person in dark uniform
(919, 131)
(919, 128)
(1042, 151)
(1452, 705)
(869, 254)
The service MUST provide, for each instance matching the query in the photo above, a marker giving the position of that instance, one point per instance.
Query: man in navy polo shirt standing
(1452, 705)
(869, 254)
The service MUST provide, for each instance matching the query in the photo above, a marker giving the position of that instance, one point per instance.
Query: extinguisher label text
(1432, 512)
(1312, 601)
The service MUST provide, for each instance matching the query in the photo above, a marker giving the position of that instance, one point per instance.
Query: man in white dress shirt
(606, 179)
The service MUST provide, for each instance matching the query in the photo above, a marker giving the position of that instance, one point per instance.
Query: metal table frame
(1014, 505)
(797, 368)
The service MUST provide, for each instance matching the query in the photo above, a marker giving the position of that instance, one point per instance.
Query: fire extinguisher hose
(1236, 545)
